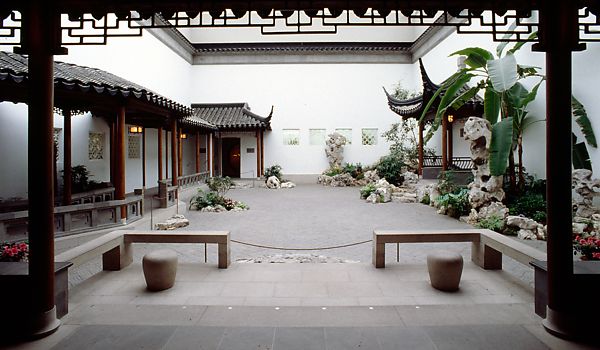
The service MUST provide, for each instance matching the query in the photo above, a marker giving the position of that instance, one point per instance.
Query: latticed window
(133, 146)
(96, 146)
(291, 137)
(316, 137)
(347, 133)
(369, 137)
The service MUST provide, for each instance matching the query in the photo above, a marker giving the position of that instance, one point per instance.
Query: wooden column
(450, 144)
(444, 143)
(113, 133)
(67, 184)
(197, 152)
(258, 152)
(120, 159)
(180, 153)
(160, 154)
(420, 149)
(174, 152)
(262, 152)
(40, 29)
(209, 154)
(144, 158)
(166, 154)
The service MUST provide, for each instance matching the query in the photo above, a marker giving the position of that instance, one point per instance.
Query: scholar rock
(213, 209)
(172, 223)
(585, 189)
(288, 184)
(373, 198)
(521, 222)
(485, 188)
(273, 182)
(496, 209)
(410, 178)
(526, 234)
(334, 149)
(342, 180)
(371, 176)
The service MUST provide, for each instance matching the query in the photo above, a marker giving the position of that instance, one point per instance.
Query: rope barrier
(317, 248)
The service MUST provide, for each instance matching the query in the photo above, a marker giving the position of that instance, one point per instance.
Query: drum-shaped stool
(160, 269)
(445, 269)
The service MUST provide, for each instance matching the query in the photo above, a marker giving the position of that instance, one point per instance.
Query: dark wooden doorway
(231, 157)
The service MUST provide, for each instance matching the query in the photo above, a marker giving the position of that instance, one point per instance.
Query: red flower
(596, 256)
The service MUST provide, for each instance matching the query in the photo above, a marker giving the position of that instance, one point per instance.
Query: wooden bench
(117, 253)
(487, 246)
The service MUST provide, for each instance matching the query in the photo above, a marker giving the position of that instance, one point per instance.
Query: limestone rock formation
(430, 191)
(371, 176)
(410, 178)
(585, 189)
(340, 180)
(528, 228)
(485, 188)
(273, 182)
(334, 149)
(213, 209)
(383, 192)
(172, 223)
(288, 184)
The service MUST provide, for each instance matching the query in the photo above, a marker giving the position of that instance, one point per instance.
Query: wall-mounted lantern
(135, 129)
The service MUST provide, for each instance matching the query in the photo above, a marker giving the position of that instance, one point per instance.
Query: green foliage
(205, 199)
(581, 156)
(531, 205)
(402, 138)
(273, 170)
(492, 222)
(501, 146)
(80, 179)
(426, 199)
(355, 170)
(457, 204)
(581, 118)
(333, 171)
(447, 182)
(219, 184)
(390, 168)
(367, 190)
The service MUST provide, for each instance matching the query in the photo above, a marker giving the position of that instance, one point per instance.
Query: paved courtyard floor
(289, 306)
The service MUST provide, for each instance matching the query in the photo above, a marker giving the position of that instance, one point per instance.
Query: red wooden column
(166, 154)
(174, 152)
(258, 153)
(120, 160)
(209, 154)
(197, 152)
(38, 36)
(180, 153)
(160, 154)
(444, 143)
(262, 152)
(420, 149)
(113, 133)
(67, 185)
(450, 143)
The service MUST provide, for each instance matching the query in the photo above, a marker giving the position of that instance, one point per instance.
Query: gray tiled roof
(229, 116)
(70, 76)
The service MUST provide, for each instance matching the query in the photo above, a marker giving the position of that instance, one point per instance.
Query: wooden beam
(144, 158)
(209, 154)
(166, 154)
(120, 160)
(450, 143)
(112, 137)
(67, 184)
(262, 152)
(160, 154)
(258, 150)
(180, 153)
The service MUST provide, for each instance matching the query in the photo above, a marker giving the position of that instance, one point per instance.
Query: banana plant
(505, 103)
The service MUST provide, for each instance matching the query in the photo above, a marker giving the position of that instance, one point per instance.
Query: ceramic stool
(160, 268)
(445, 269)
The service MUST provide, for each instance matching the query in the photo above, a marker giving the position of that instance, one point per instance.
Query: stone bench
(117, 253)
(487, 246)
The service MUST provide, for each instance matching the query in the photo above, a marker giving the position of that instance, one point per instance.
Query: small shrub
(457, 204)
(426, 199)
(367, 190)
(355, 170)
(219, 184)
(390, 168)
(80, 179)
(205, 199)
(333, 171)
(273, 170)
(510, 231)
(530, 205)
(447, 182)
(493, 222)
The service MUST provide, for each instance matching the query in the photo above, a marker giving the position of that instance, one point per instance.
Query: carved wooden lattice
(96, 146)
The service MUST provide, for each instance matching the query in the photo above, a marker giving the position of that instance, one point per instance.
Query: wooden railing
(193, 179)
(71, 219)
(457, 163)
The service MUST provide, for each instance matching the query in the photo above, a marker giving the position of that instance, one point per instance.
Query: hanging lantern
(135, 129)
(450, 118)
(183, 136)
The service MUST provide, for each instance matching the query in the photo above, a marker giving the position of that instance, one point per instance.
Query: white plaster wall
(306, 97)
(13, 152)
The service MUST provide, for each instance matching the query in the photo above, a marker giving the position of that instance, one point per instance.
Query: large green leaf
(520, 44)
(583, 121)
(476, 56)
(503, 72)
(502, 45)
(491, 105)
(464, 97)
(449, 94)
(500, 146)
(581, 157)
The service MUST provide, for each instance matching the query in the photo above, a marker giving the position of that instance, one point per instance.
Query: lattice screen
(369, 137)
(96, 146)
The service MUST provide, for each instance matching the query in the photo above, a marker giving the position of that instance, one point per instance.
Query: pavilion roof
(72, 77)
(413, 107)
(229, 116)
